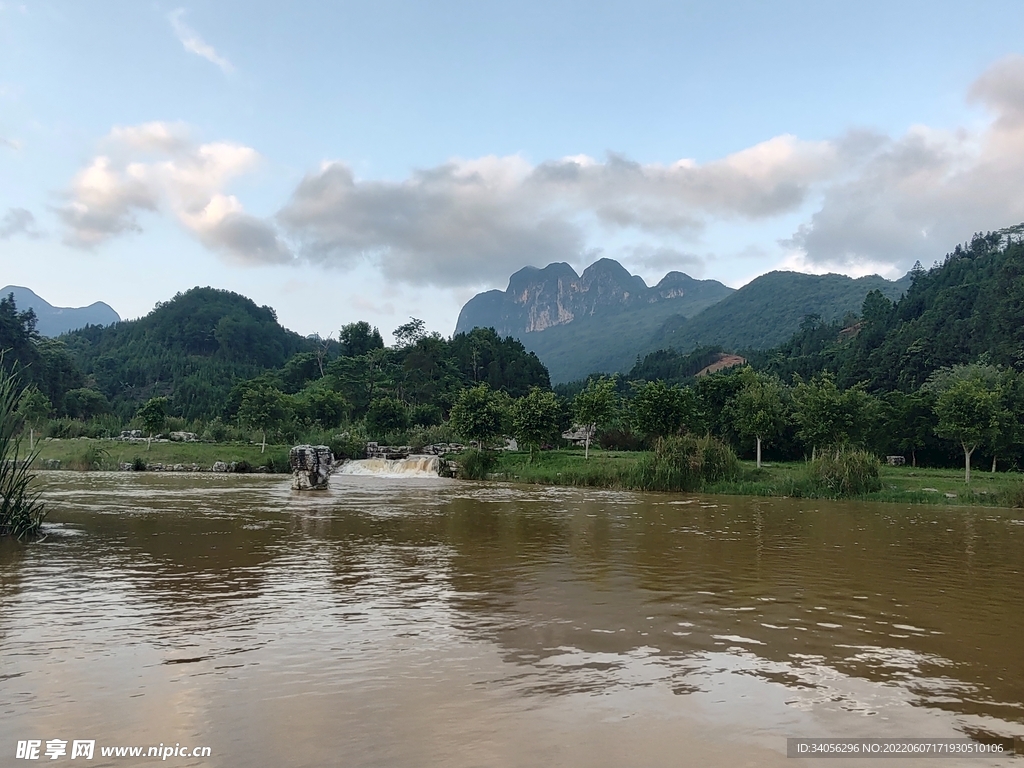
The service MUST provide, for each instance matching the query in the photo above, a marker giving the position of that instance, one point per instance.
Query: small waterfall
(414, 466)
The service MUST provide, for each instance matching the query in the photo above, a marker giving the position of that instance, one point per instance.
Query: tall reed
(21, 512)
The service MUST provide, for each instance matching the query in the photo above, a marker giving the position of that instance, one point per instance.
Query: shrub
(348, 446)
(684, 464)
(844, 472)
(476, 464)
(242, 467)
(138, 464)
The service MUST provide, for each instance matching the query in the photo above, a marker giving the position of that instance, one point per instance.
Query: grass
(611, 469)
(84, 453)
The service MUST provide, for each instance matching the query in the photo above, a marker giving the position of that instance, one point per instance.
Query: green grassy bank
(899, 484)
(100, 454)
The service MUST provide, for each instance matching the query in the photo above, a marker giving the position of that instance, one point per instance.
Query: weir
(413, 466)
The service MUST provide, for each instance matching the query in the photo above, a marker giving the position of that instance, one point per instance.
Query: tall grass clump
(21, 512)
(683, 464)
(90, 458)
(476, 464)
(844, 472)
(1014, 497)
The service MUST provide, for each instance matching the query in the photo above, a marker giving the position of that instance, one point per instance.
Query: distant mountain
(606, 319)
(53, 321)
(769, 309)
(578, 324)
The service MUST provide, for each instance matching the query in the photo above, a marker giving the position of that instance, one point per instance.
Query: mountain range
(604, 319)
(53, 321)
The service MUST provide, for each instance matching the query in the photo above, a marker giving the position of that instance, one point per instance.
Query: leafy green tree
(906, 422)
(322, 407)
(34, 408)
(263, 408)
(759, 409)
(594, 406)
(85, 403)
(658, 410)
(479, 414)
(537, 418)
(409, 333)
(359, 338)
(386, 414)
(827, 416)
(969, 412)
(153, 415)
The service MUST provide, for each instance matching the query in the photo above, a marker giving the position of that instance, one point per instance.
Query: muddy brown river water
(419, 622)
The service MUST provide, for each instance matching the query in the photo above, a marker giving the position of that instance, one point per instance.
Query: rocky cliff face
(538, 299)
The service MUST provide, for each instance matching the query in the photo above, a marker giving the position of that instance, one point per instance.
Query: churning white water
(414, 466)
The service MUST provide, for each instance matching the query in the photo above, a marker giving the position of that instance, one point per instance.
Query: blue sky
(376, 161)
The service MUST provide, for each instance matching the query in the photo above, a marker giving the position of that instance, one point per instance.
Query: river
(427, 622)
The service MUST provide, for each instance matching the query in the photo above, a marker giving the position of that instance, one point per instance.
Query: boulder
(311, 467)
(220, 466)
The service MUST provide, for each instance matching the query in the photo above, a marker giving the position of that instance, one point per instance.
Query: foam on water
(414, 466)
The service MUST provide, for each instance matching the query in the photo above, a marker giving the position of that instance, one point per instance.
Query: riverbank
(914, 485)
(104, 454)
(604, 469)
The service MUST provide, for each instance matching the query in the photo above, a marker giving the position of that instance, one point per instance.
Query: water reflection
(414, 620)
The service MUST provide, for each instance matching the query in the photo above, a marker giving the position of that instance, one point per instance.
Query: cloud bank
(158, 167)
(868, 200)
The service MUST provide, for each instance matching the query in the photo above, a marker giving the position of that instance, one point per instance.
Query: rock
(311, 467)
(51, 464)
(183, 437)
(220, 466)
(896, 461)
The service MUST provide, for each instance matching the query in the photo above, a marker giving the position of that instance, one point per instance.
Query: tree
(969, 412)
(759, 410)
(153, 415)
(827, 416)
(34, 408)
(479, 414)
(659, 410)
(594, 406)
(537, 418)
(321, 406)
(263, 408)
(386, 414)
(409, 333)
(357, 339)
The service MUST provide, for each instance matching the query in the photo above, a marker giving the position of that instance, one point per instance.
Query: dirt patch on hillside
(725, 361)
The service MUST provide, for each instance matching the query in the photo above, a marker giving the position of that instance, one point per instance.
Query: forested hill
(969, 308)
(205, 349)
(769, 309)
(194, 346)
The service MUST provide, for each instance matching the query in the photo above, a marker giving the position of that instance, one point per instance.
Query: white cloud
(19, 221)
(193, 43)
(175, 174)
(475, 220)
(915, 196)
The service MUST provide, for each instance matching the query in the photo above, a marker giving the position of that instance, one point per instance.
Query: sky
(380, 161)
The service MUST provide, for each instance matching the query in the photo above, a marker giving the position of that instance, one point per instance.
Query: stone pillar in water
(311, 467)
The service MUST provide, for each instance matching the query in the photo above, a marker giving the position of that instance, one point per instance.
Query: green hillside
(608, 342)
(770, 309)
(194, 347)
(970, 307)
